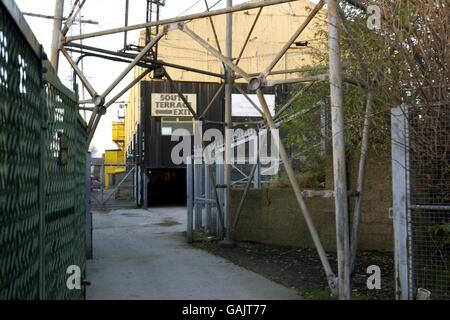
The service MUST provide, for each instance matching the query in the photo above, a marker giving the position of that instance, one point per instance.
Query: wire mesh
(32, 185)
(20, 113)
(64, 210)
(429, 199)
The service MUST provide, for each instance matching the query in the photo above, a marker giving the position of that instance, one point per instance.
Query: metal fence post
(399, 197)
(145, 180)
(42, 190)
(257, 175)
(198, 186)
(228, 152)
(208, 197)
(220, 192)
(89, 252)
(102, 179)
(190, 199)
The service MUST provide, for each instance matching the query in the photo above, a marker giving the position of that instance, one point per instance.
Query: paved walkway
(142, 254)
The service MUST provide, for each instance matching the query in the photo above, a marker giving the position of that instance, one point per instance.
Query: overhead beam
(212, 101)
(71, 18)
(249, 100)
(241, 7)
(244, 46)
(45, 16)
(136, 60)
(291, 100)
(213, 51)
(113, 100)
(79, 73)
(287, 71)
(156, 63)
(320, 77)
(213, 28)
(294, 37)
(181, 95)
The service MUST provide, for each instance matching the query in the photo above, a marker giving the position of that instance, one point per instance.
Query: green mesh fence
(42, 171)
(65, 189)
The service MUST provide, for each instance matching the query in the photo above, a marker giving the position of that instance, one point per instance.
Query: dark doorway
(166, 187)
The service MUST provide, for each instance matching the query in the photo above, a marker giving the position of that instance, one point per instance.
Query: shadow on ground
(301, 269)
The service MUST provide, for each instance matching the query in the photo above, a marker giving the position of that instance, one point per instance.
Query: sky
(109, 14)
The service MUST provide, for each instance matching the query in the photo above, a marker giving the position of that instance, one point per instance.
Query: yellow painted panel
(118, 132)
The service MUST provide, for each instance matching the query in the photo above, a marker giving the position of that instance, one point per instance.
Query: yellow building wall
(273, 29)
(275, 26)
(132, 114)
(118, 132)
(115, 156)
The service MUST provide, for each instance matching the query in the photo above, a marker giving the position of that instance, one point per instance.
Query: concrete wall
(272, 216)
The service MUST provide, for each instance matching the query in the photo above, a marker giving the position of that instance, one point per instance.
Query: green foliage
(441, 232)
(317, 294)
(396, 61)
(307, 135)
(325, 294)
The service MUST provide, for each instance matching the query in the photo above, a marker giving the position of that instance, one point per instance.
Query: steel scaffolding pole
(213, 100)
(339, 163)
(294, 37)
(248, 36)
(114, 99)
(135, 61)
(71, 18)
(252, 103)
(342, 283)
(213, 28)
(56, 38)
(360, 182)
(150, 62)
(237, 8)
(298, 194)
(93, 93)
(225, 60)
(229, 79)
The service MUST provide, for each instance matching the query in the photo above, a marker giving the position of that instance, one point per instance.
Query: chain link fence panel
(429, 199)
(42, 170)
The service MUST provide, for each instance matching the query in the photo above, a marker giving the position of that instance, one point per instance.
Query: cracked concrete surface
(142, 254)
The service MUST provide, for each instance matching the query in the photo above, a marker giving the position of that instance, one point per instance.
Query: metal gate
(421, 196)
(120, 192)
(42, 170)
(205, 183)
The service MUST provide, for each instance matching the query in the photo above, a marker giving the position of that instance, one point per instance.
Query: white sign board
(243, 108)
(171, 105)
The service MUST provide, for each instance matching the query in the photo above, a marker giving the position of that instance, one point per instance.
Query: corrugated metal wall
(157, 147)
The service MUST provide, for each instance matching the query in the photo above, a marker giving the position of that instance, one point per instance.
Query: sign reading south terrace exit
(171, 104)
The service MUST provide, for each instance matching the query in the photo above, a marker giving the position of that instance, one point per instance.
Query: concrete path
(142, 254)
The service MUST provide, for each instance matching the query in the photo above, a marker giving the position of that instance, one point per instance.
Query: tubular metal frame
(339, 284)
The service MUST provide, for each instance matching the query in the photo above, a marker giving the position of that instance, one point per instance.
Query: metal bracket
(63, 149)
